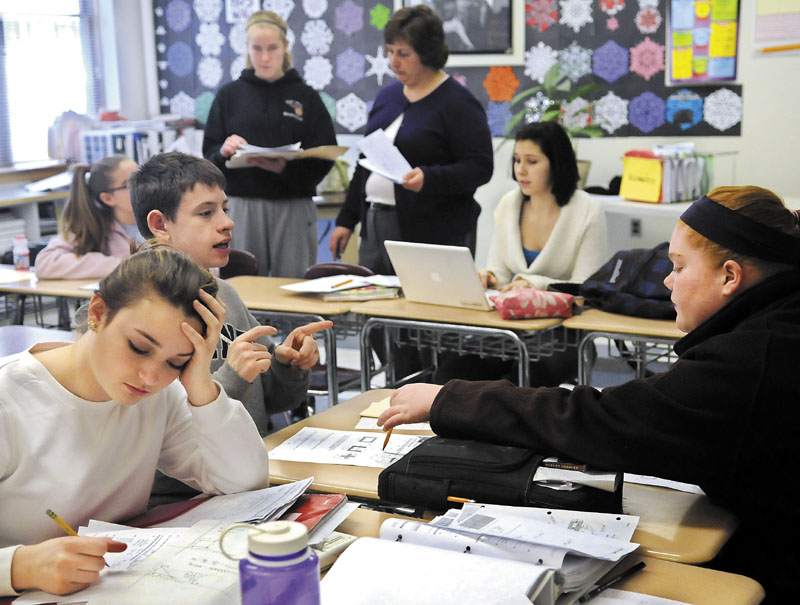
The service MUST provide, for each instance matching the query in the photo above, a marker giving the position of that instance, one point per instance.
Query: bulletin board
(703, 38)
(337, 47)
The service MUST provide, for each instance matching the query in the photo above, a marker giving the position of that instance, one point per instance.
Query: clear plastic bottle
(21, 253)
(280, 568)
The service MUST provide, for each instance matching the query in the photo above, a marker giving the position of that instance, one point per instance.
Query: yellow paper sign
(681, 63)
(641, 179)
(723, 40)
(724, 10)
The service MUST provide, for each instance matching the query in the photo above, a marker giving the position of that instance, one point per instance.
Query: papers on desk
(8, 276)
(659, 482)
(369, 418)
(353, 448)
(62, 180)
(612, 596)
(382, 157)
(286, 152)
(336, 283)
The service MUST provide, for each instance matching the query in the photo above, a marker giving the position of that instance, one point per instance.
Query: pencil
(778, 49)
(457, 499)
(347, 281)
(386, 439)
(61, 523)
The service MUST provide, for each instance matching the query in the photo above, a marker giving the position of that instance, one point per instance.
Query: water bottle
(279, 568)
(22, 256)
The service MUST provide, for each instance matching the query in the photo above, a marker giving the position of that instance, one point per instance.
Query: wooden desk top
(16, 195)
(29, 284)
(685, 583)
(594, 320)
(401, 308)
(261, 293)
(673, 525)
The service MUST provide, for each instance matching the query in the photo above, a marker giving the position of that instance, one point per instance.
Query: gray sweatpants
(282, 234)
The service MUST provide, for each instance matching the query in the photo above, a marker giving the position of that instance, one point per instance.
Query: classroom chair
(240, 262)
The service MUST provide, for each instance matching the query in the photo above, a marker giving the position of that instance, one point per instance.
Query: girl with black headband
(725, 416)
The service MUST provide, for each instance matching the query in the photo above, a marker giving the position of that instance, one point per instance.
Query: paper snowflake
(237, 65)
(179, 15)
(541, 14)
(159, 11)
(349, 17)
(379, 16)
(648, 20)
(535, 106)
(647, 58)
(209, 39)
(684, 108)
(317, 72)
(163, 83)
(575, 13)
(610, 61)
(350, 65)
(289, 39)
(571, 115)
(316, 37)
(202, 105)
(208, 10)
(330, 104)
(648, 3)
(162, 65)
(164, 100)
(180, 58)
(611, 7)
(612, 24)
(378, 66)
(237, 38)
(351, 112)
(647, 111)
(460, 78)
(209, 72)
(283, 7)
(538, 59)
(161, 47)
(498, 115)
(315, 8)
(500, 83)
(160, 31)
(575, 61)
(723, 109)
(182, 104)
(611, 112)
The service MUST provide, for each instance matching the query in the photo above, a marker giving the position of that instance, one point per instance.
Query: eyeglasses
(113, 189)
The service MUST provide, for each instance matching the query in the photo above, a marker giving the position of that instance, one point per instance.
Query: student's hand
(414, 180)
(196, 375)
(408, 404)
(338, 241)
(271, 164)
(248, 358)
(300, 349)
(61, 565)
(516, 284)
(488, 279)
(231, 144)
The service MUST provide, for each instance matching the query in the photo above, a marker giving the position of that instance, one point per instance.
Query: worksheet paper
(354, 448)
(383, 157)
(612, 596)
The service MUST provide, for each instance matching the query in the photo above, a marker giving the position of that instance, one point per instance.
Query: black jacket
(270, 114)
(726, 416)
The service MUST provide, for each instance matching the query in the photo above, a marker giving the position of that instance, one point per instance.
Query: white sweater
(574, 250)
(96, 460)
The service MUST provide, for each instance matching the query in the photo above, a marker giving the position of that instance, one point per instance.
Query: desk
(24, 204)
(674, 525)
(651, 338)
(685, 583)
(463, 331)
(29, 284)
(264, 297)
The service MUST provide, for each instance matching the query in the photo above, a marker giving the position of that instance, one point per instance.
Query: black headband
(740, 233)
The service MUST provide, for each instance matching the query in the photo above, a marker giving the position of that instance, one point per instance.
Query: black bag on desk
(484, 472)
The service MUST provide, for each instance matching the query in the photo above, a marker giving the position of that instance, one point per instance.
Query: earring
(92, 325)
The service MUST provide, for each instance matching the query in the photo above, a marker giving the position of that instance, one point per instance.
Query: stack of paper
(286, 152)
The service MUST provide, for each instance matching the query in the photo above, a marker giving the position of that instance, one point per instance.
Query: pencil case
(484, 472)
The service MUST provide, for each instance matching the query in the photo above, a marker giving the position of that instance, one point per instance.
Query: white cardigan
(574, 250)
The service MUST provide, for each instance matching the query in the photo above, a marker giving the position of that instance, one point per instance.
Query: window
(48, 64)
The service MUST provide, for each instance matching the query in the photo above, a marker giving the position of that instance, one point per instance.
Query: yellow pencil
(61, 523)
(457, 499)
(386, 440)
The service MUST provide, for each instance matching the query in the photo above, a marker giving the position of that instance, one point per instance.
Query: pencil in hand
(386, 439)
(61, 523)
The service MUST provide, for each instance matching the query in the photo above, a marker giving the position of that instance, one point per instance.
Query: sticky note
(723, 40)
(681, 63)
(641, 179)
(724, 10)
(681, 39)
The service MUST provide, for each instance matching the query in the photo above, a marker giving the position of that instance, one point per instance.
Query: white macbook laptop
(438, 275)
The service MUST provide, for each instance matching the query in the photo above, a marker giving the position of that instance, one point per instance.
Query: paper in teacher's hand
(376, 408)
(382, 157)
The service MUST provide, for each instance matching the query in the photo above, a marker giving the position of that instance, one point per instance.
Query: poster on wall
(776, 27)
(702, 40)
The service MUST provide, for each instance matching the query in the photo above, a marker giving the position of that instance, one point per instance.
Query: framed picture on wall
(480, 32)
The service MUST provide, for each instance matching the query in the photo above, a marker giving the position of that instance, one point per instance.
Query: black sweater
(270, 114)
(726, 416)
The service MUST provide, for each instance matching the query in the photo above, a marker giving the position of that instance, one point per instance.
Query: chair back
(240, 262)
(16, 338)
(328, 269)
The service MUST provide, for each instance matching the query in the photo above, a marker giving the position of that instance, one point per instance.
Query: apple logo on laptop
(436, 277)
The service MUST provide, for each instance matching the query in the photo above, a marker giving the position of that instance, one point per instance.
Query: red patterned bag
(530, 303)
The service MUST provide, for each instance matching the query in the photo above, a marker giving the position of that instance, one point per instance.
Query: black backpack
(632, 283)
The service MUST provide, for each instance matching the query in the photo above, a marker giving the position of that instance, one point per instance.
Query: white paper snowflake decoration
(284, 8)
(575, 13)
(237, 65)
(575, 61)
(316, 37)
(182, 104)
(611, 112)
(572, 117)
(539, 59)
(351, 112)
(209, 39)
(237, 38)
(536, 105)
(317, 72)
(722, 109)
(207, 10)
(209, 72)
(378, 66)
(315, 8)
